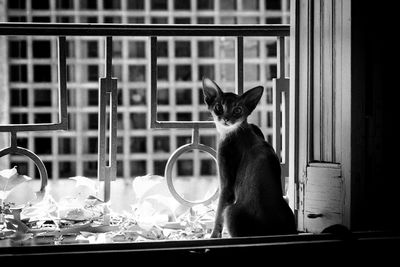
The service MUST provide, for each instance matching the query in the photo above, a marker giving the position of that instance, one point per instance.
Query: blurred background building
(29, 80)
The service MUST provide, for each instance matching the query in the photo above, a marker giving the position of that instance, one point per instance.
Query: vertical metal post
(281, 108)
(62, 82)
(108, 87)
(239, 65)
(153, 82)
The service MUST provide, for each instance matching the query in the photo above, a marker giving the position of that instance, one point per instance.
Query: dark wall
(375, 159)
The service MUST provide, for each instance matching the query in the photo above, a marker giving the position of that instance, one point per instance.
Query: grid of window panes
(182, 62)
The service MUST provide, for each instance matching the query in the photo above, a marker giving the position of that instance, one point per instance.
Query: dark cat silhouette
(251, 202)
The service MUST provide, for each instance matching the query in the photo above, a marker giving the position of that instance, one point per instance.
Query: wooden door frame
(301, 82)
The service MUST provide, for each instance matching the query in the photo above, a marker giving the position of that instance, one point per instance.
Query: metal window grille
(107, 168)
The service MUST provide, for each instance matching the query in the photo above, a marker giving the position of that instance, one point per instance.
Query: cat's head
(229, 110)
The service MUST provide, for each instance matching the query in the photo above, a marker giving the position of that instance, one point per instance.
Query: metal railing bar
(62, 77)
(183, 124)
(281, 57)
(153, 82)
(239, 65)
(86, 29)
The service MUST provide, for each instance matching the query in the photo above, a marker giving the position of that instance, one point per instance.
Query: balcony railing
(108, 90)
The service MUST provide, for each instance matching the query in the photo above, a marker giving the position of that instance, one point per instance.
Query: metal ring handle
(38, 162)
(168, 173)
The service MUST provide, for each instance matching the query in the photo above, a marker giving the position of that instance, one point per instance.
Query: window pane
(92, 97)
(163, 116)
(162, 73)
(138, 144)
(42, 98)
(208, 167)
(18, 73)
(137, 73)
(66, 169)
(184, 116)
(161, 144)
(117, 49)
(205, 4)
(16, 4)
(159, 167)
(205, 20)
(185, 167)
(42, 4)
(251, 72)
(136, 20)
(182, 49)
(67, 145)
(183, 96)
(159, 20)
(179, 20)
(273, 20)
(93, 73)
(49, 168)
(65, 4)
(183, 73)
(137, 97)
(250, 4)
(42, 73)
(269, 96)
(227, 5)
(227, 72)
(208, 140)
(206, 71)
(273, 4)
(183, 140)
(138, 120)
(92, 122)
(90, 169)
(112, 4)
(162, 49)
(205, 48)
(88, 4)
(138, 168)
(92, 50)
(136, 49)
(271, 49)
(40, 19)
(42, 145)
(42, 118)
(182, 4)
(159, 4)
(112, 19)
(162, 97)
(19, 97)
(135, 4)
(251, 49)
(17, 49)
(18, 118)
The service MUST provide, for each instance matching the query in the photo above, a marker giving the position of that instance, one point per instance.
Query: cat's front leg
(225, 199)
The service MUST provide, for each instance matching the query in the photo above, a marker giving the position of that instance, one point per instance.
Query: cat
(251, 201)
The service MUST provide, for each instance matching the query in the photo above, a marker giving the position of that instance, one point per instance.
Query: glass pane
(135, 4)
(138, 144)
(136, 49)
(42, 98)
(205, 48)
(183, 73)
(161, 144)
(41, 73)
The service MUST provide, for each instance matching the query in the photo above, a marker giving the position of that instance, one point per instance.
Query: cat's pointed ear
(211, 90)
(252, 97)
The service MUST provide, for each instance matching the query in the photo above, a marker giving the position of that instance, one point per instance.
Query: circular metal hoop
(168, 173)
(38, 162)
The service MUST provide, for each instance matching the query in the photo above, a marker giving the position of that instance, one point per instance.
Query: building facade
(32, 86)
